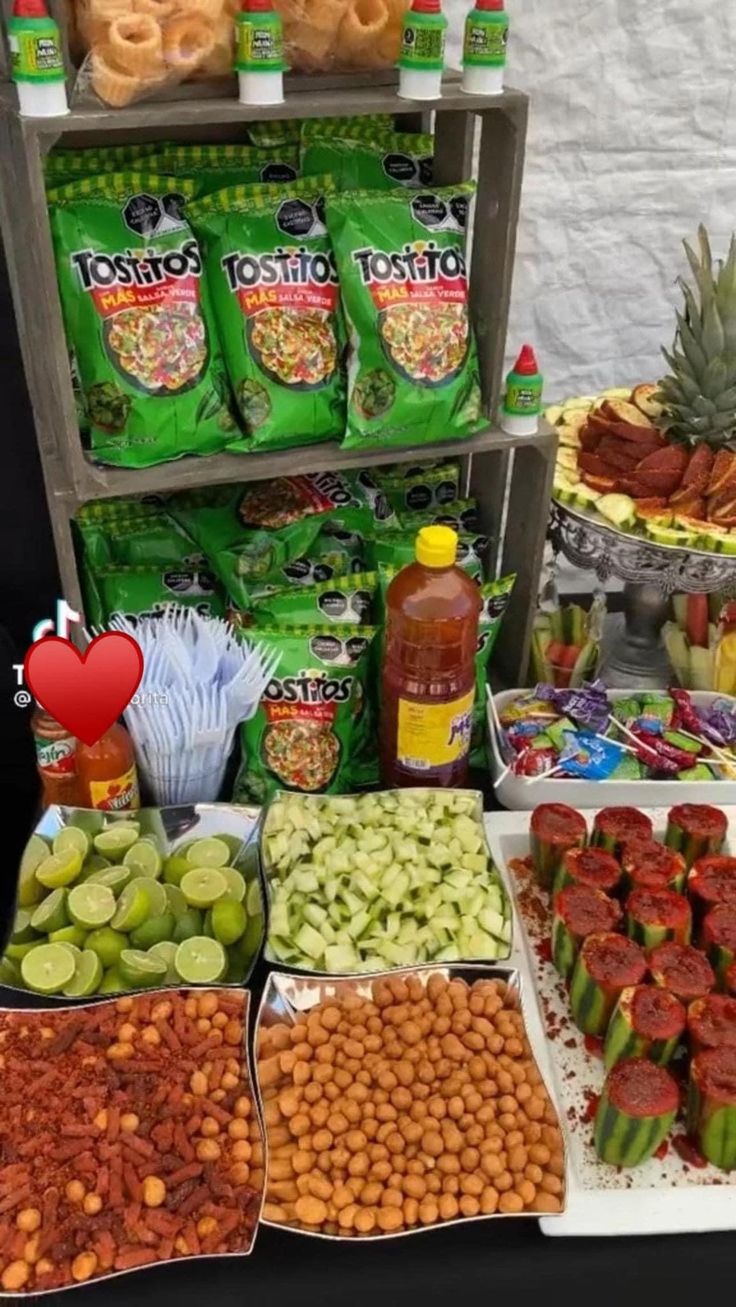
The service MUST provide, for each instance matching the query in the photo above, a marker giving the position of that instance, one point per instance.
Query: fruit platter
(643, 747)
(627, 920)
(109, 904)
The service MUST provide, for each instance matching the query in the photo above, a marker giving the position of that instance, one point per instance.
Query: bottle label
(434, 735)
(485, 43)
(423, 43)
(35, 52)
(260, 44)
(523, 397)
(117, 794)
(56, 757)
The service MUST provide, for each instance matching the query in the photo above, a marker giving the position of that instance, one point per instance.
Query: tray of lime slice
(110, 903)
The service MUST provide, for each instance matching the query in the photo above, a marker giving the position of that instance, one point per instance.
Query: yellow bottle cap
(436, 546)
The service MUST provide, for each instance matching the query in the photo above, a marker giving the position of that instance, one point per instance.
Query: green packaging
(307, 725)
(398, 549)
(214, 166)
(416, 489)
(147, 591)
(274, 287)
(413, 369)
(343, 600)
(370, 163)
(138, 319)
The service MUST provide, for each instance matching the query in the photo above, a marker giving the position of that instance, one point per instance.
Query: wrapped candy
(534, 762)
(587, 706)
(589, 757)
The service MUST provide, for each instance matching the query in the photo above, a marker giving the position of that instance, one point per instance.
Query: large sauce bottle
(108, 778)
(428, 674)
(55, 758)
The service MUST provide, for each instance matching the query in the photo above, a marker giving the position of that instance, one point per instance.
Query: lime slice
(166, 951)
(229, 920)
(87, 975)
(141, 970)
(111, 983)
(153, 931)
(114, 841)
(200, 960)
(253, 901)
(187, 925)
(175, 901)
(48, 968)
(107, 943)
(174, 868)
(210, 852)
(68, 935)
(236, 886)
(29, 890)
(155, 893)
(9, 972)
(203, 886)
(72, 949)
(116, 878)
(144, 859)
(95, 862)
(91, 905)
(71, 837)
(133, 907)
(23, 931)
(16, 952)
(59, 869)
(51, 913)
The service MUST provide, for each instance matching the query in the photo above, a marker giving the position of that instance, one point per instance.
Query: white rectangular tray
(524, 793)
(663, 1196)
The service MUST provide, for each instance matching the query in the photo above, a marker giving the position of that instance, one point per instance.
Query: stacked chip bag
(342, 600)
(274, 286)
(138, 319)
(413, 371)
(366, 160)
(307, 727)
(412, 489)
(215, 166)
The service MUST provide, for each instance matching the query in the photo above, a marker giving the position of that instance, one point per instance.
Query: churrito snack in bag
(138, 318)
(413, 370)
(287, 499)
(308, 722)
(274, 286)
(368, 162)
(214, 166)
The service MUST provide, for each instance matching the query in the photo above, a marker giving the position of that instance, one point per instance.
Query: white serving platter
(524, 792)
(664, 1195)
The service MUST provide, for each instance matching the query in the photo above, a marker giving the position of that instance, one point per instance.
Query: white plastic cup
(261, 88)
(420, 83)
(519, 424)
(482, 81)
(42, 99)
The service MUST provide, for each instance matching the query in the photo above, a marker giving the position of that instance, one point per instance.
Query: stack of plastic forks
(198, 684)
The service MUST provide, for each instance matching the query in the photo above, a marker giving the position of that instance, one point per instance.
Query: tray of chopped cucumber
(372, 881)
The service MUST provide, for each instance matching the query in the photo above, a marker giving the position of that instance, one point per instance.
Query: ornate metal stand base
(637, 659)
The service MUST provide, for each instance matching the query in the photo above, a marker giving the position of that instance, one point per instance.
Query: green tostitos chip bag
(274, 287)
(369, 162)
(308, 723)
(215, 166)
(147, 591)
(459, 514)
(343, 600)
(66, 165)
(413, 371)
(138, 318)
(411, 489)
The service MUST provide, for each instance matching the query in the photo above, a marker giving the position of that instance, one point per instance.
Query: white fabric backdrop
(632, 143)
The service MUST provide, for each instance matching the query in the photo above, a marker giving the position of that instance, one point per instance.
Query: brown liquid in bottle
(428, 675)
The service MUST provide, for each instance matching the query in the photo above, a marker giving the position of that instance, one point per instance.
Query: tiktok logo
(66, 617)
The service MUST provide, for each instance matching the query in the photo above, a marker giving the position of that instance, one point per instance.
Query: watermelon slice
(688, 502)
(593, 464)
(698, 470)
(643, 484)
(673, 458)
(615, 453)
(589, 439)
(601, 425)
(645, 437)
(723, 472)
(606, 485)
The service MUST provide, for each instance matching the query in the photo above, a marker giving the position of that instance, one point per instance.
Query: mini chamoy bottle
(484, 48)
(522, 402)
(55, 758)
(108, 778)
(259, 53)
(428, 672)
(37, 63)
(422, 57)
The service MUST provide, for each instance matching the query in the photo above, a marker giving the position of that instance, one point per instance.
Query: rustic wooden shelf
(511, 478)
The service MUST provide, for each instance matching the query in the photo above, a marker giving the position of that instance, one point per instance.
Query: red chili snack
(648, 864)
(127, 1137)
(711, 1022)
(682, 969)
(613, 827)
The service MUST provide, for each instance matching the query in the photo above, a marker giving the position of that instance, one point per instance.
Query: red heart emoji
(86, 692)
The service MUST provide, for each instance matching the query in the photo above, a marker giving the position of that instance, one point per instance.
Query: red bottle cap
(30, 9)
(256, 7)
(426, 7)
(489, 4)
(526, 363)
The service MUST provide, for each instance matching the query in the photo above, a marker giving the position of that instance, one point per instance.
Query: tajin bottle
(259, 53)
(108, 778)
(484, 48)
(37, 65)
(428, 673)
(55, 758)
(422, 55)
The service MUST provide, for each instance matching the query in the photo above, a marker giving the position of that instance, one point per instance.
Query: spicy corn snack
(413, 372)
(128, 1137)
(412, 1105)
(137, 316)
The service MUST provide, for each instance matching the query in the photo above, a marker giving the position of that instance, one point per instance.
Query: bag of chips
(343, 600)
(459, 514)
(274, 287)
(138, 319)
(412, 489)
(148, 591)
(413, 371)
(306, 727)
(284, 500)
(133, 533)
(367, 162)
(214, 166)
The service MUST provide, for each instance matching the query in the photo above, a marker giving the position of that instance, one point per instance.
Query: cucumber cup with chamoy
(682, 969)
(553, 829)
(606, 965)
(647, 864)
(593, 867)
(613, 827)
(695, 830)
(579, 911)
(718, 939)
(636, 1112)
(647, 1022)
(711, 883)
(655, 916)
(711, 1106)
(711, 1023)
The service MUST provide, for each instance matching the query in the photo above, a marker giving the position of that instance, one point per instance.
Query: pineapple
(699, 396)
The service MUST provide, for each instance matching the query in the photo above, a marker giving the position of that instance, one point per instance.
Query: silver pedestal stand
(651, 574)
